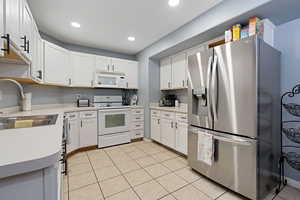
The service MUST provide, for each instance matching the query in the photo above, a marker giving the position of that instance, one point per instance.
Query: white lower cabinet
(137, 123)
(155, 129)
(181, 137)
(167, 133)
(73, 126)
(170, 129)
(88, 129)
(82, 128)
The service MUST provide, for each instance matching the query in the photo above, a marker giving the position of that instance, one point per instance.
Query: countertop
(181, 109)
(27, 149)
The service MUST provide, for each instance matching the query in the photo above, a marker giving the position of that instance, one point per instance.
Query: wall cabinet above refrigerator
(173, 72)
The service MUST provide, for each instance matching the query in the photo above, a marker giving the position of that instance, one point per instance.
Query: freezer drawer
(234, 163)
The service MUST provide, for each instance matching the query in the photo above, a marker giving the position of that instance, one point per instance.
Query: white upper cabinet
(179, 71)
(26, 30)
(173, 72)
(56, 65)
(165, 74)
(37, 69)
(2, 18)
(103, 63)
(83, 67)
(130, 69)
(13, 16)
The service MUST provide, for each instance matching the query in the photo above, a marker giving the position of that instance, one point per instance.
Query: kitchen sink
(27, 121)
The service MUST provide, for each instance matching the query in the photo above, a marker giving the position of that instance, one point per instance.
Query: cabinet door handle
(7, 38)
(107, 67)
(176, 125)
(69, 81)
(127, 84)
(24, 43)
(81, 123)
(158, 121)
(182, 83)
(171, 124)
(113, 68)
(28, 46)
(40, 76)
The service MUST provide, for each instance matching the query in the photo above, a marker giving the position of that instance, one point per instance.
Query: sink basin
(27, 121)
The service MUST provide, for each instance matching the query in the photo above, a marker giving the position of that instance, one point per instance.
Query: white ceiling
(106, 24)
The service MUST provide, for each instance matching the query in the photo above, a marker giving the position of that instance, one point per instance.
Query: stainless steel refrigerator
(234, 94)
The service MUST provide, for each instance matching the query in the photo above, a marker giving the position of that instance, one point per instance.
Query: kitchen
(123, 126)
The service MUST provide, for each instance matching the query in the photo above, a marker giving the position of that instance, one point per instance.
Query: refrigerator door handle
(234, 141)
(214, 96)
(210, 118)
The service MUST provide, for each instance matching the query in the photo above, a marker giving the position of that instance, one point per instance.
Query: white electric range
(113, 121)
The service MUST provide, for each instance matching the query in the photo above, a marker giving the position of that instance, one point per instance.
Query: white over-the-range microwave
(110, 80)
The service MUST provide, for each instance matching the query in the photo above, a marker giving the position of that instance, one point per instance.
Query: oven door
(234, 163)
(113, 121)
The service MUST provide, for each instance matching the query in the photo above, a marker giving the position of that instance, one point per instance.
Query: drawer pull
(137, 125)
(72, 115)
(88, 114)
(137, 118)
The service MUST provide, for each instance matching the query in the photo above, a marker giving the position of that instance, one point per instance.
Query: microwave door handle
(233, 141)
(208, 88)
(214, 92)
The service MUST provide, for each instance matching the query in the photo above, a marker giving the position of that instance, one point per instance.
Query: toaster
(83, 103)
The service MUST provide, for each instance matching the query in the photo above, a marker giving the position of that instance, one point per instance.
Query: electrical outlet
(0, 95)
(77, 96)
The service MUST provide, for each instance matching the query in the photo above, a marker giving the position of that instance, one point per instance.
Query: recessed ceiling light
(174, 3)
(131, 38)
(75, 24)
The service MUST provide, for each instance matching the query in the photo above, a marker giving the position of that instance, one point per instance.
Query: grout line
(152, 178)
(124, 178)
(95, 175)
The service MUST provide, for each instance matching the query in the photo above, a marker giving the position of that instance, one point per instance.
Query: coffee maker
(168, 101)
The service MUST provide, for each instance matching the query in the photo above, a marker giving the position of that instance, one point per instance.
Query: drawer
(137, 125)
(137, 118)
(181, 117)
(167, 115)
(88, 114)
(72, 116)
(137, 134)
(137, 111)
(155, 113)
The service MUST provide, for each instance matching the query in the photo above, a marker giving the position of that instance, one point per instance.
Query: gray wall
(288, 42)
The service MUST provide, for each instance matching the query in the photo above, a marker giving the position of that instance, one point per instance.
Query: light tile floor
(142, 171)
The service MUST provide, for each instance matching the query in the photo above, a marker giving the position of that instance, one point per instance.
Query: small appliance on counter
(168, 101)
(83, 103)
(134, 100)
